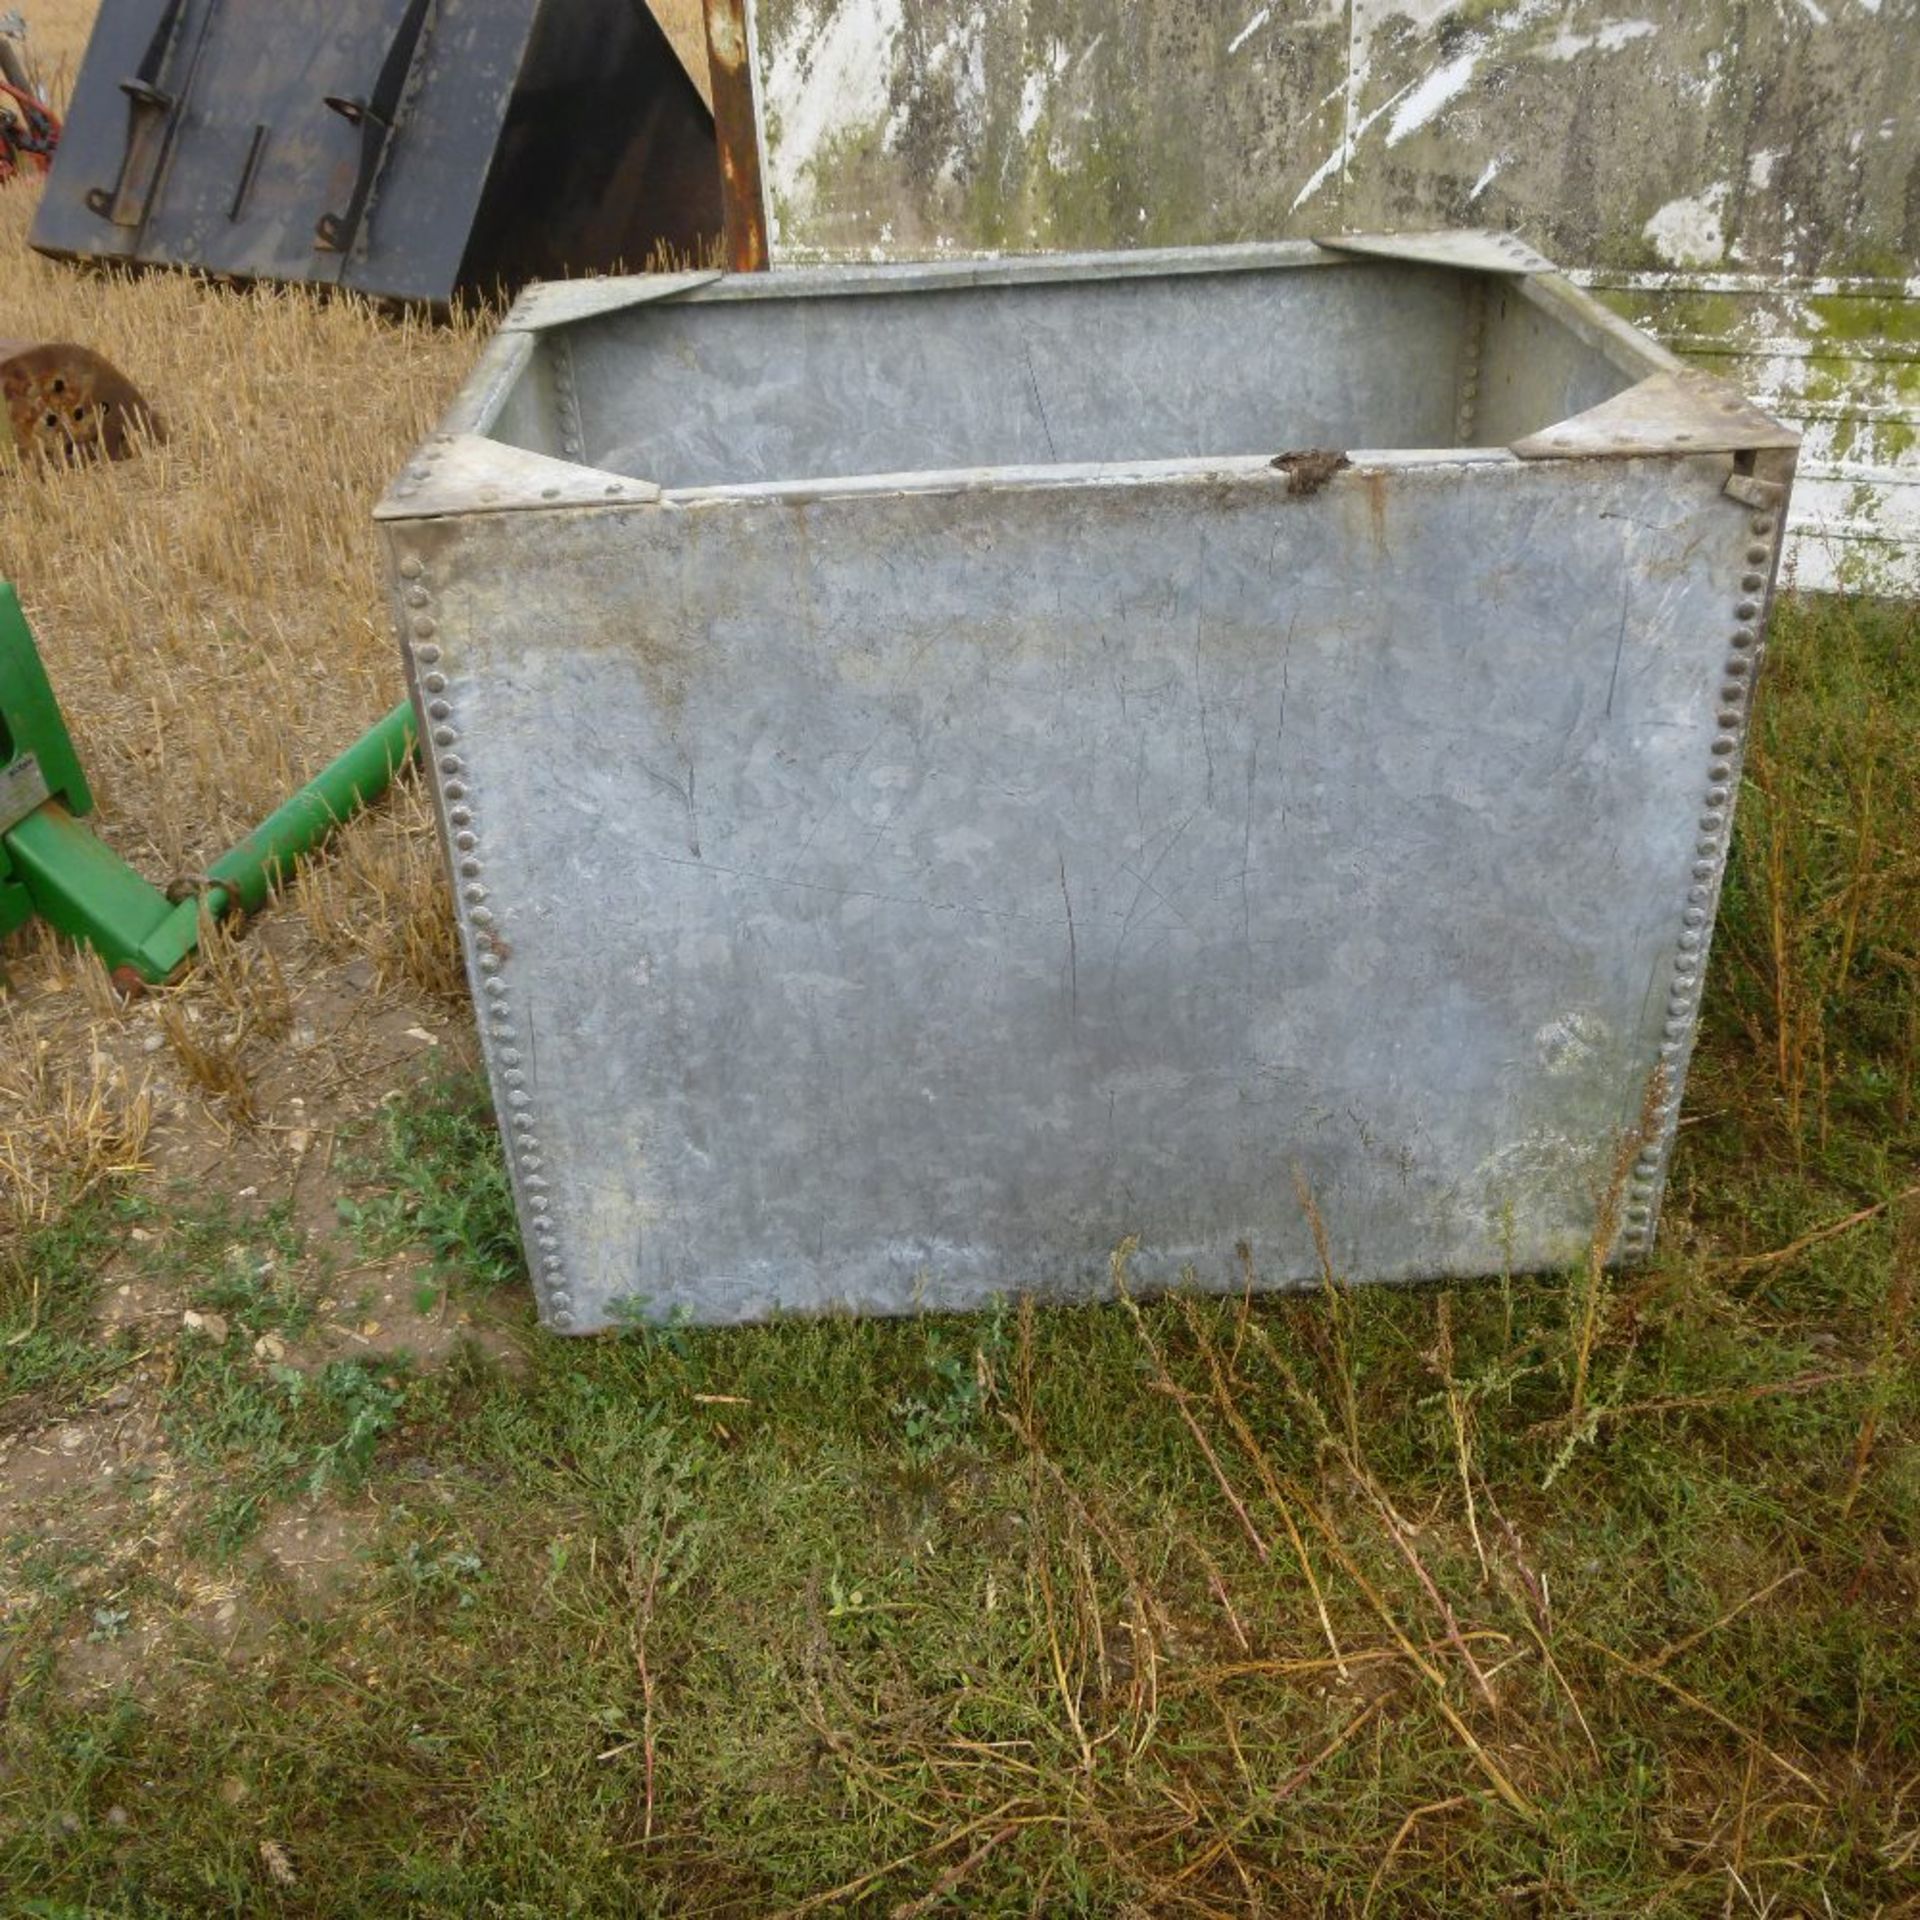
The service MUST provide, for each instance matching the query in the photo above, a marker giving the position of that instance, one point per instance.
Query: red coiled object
(29, 132)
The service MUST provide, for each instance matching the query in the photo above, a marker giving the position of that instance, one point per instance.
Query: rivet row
(1466, 415)
(1639, 1213)
(520, 1132)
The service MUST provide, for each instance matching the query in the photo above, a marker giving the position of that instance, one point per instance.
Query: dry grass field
(211, 616)
(328, 1587)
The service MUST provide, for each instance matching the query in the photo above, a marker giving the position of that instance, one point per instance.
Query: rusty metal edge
(1207, 470)
(737, 134)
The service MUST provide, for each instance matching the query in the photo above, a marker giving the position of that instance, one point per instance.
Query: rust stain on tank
(1376, 486)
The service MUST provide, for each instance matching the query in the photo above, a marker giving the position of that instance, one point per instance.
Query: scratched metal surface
(725, 391)
(884, 894)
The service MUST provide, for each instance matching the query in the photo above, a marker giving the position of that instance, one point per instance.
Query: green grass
(254, 1434)
(239, 1264)
(955, 1614)
(435, 1179)
(250, 1429)
(51, 1357)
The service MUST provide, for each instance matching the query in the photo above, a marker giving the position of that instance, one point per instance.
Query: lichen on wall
(1775, 135)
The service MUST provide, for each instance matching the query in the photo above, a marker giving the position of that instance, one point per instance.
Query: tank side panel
(888, 901)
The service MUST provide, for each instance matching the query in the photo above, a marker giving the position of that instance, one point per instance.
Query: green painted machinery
(52, 867)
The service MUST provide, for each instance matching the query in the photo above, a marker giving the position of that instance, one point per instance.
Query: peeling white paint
(1371, 15)
(1418, 103)
(1422, 101)
(1340, 155)
(1488, 174)
(1855, 519)
(831, 72)
(1888, 286)
(1760, 165)
(1252, 27)
(1568, 45)
(1689, 232)
(1815, 13)
(1620, 33)
(1033, 103)
(1037, 88)
(960, 61)
(1432, 97)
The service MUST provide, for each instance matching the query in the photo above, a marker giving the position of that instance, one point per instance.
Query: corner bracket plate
(1682, 412)
(463, 473)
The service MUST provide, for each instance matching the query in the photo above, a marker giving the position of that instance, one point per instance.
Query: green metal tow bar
(54, 868)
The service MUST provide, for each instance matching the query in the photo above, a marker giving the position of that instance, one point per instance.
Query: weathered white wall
(1742, 174)
(1841, 359)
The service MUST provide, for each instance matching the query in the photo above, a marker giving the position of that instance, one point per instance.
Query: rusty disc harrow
(66, 404)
